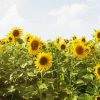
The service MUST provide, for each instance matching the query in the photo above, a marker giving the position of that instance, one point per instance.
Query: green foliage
(68, 79)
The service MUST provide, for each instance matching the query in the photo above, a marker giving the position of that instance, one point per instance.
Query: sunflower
(10, 38)
(58, 40)
(27, 38)
(79, 50)
(62, 46)
(83, 39)
(34, 45)
(43, 61)
(97, 71)
(97, 98)
(16, 32)
(97, 35)
(87, 50)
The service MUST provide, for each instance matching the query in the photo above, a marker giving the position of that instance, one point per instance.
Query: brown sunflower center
(98, 35)
(83, 40)
(79, 50)
(43, 61)
(34, 45)
(10, 38)
(63, 46)
(98, 98)
(15, 33)
(28, 39)
(99, 70)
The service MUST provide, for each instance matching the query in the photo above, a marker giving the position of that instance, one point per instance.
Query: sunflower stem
(41, 89)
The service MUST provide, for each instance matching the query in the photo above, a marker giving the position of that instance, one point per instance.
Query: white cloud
(69, 14)
(11, 18)
(70, 18)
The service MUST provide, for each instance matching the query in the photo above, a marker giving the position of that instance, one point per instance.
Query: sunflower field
(60, 69)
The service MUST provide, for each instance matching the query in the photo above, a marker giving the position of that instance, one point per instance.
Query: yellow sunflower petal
(43, 61)
(34, 45)
(16, 32)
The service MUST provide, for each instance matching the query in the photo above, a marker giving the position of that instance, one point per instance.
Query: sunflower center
(98, 35)
(79, 50)
(43, 61)
(28, 39)
(99, 70)
(83, 39)
(10, 38)
(98, 98)
(15, 33)
(63, 46)
(34, 45)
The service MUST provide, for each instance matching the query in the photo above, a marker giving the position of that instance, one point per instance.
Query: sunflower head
(43, 61)
(74, 37)
(62, 46)
(28, 38)
(10, 38)
(34, 45)
(16, 32)
(79, 50)
(83, 39)
(58, 40)
(97, 35)
(87, 50)
(97, 71)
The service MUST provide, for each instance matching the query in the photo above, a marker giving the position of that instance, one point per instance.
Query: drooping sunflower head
(97, 98)
(16, 32)
(28, 38)
(97, 71)
(43, 61)
(79, 50)
(97, 35)
(35, 45)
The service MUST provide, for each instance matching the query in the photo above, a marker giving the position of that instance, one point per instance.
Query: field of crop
(60, 69)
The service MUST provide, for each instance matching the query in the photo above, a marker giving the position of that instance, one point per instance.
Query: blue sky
(50, 18)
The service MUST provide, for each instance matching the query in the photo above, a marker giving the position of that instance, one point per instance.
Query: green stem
(41, 90)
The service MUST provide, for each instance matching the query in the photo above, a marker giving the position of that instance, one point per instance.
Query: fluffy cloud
(11, 18)
(69, 14)
(70, 18)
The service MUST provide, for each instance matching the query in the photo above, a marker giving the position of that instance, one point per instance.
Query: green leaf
(11, 89)
(31, 74)
(88, 76)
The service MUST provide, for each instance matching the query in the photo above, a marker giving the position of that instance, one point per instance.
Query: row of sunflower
(62, 69)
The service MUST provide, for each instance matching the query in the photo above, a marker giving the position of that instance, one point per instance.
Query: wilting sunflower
(83, 39)
(97, 71)
(16, 32)
(97, 98)
(97, 35)
(43, 61)
(34, 45)
(27, 38)
(79, 50)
